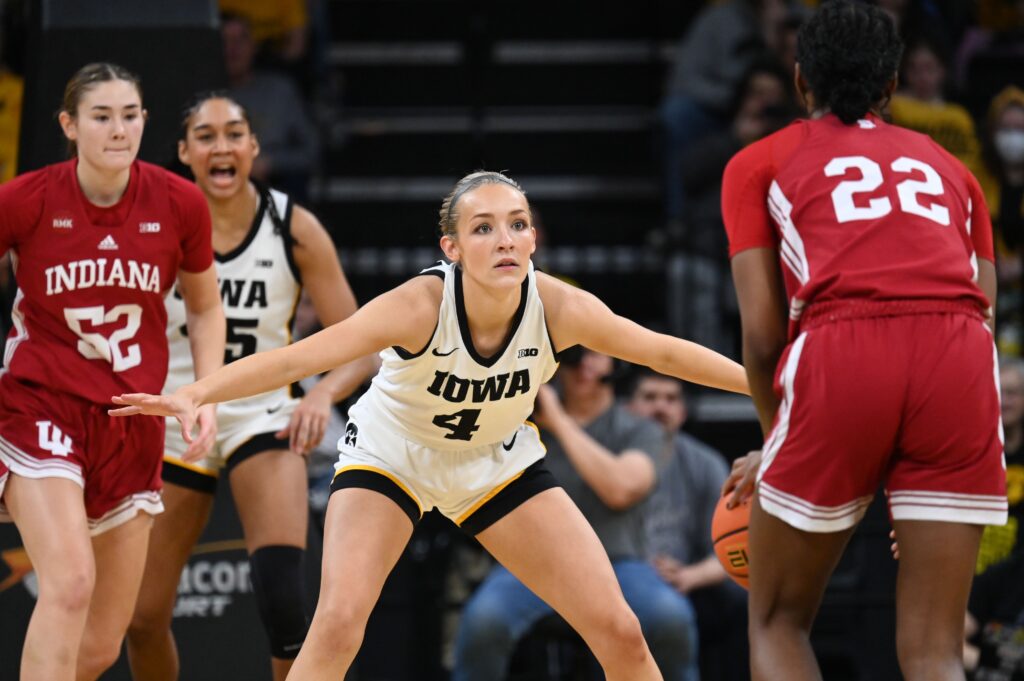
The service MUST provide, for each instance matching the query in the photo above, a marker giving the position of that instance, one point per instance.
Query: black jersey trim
(467, 337)
(382, 483)
(536, 478)
(254, 229)
(182, 476)
(285, 226)
(402, 352)
(257, 444)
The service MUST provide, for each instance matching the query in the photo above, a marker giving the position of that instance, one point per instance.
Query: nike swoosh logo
(274, 409)
(442, 354)
(508, 447)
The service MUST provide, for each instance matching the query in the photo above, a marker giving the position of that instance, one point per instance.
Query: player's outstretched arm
(405, 316)
(576, 317)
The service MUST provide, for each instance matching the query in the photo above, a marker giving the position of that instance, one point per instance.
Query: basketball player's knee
(621, 634)
(96, 657)
(278, 587)
(148, 621)
(70, 589)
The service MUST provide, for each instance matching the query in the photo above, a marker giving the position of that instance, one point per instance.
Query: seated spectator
(690, 477)
(707, 313)
(994, 627)
(714, 53)
(280, 27)
(289, 143)
(604, 458)
(920, 104)
(999, 541)
(1002, 179)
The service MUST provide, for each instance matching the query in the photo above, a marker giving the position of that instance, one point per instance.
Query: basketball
(729, 535)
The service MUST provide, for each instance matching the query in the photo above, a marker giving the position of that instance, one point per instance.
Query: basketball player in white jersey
(266, 250)
(464, 348)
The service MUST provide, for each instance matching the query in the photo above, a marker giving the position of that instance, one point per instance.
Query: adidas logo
(108, 244)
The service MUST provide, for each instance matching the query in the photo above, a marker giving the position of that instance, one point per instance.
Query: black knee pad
(280, 594)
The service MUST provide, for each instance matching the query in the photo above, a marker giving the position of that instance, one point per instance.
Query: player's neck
(102, 188)
(234, 214)
(489, 311)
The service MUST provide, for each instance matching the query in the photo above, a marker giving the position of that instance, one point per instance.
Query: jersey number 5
(909, 190)
(110, 348)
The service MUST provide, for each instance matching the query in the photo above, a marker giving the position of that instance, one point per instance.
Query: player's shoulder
(29, 186)
(769, 152)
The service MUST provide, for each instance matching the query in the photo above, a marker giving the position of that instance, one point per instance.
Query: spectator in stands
(999, 541)
(994, 630)
(708, 312)
(921, 103)
(279, 27)
(1002, 179)
(289, 143)
(604, 457)
(690, 477)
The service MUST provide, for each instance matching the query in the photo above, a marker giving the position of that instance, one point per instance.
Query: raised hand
(308, 424)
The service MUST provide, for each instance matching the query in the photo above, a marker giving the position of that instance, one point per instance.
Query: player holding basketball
(465, 347)
(874, 246)
(266, 250)
(97, 241)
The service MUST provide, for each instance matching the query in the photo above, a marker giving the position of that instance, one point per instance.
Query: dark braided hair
(848, 53)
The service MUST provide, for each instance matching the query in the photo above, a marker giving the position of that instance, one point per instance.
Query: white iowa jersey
(260, 288)
(447, 396)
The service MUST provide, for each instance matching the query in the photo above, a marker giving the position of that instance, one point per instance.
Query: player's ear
(255, 145)
(69, 125)
(450, 247)
(183, 152)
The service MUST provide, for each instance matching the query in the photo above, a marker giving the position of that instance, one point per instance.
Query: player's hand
(308, 424)
(206, 418)
(895, 546)
(742, 478)
(673, 572)
(177, 404)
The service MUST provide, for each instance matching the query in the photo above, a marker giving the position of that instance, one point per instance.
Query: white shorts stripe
(22, 464)
(146, 502)
(778, 435)
(809, 517)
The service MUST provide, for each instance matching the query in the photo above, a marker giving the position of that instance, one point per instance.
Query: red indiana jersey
(89, 315)
(868, 211)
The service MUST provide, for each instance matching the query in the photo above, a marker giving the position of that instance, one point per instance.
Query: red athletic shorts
(905, 393)
(48, 434)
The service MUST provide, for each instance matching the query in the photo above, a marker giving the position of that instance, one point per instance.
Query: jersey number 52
(114, 347)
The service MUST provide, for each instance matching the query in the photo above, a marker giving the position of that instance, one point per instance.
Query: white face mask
(1010, 145)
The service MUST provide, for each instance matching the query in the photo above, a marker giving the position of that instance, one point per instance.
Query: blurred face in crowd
(1011, 383)
(764, 91)
(1009, 135)
(660, 399)
(587, 375)
(924, 76)
(107, 127)
(219, 148)
(239, 49)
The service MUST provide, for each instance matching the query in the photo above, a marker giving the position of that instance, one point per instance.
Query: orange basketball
(729, 534)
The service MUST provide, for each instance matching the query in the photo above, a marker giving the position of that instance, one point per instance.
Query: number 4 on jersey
(461, 423)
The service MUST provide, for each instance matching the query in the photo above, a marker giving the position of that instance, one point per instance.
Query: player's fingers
(125, 411)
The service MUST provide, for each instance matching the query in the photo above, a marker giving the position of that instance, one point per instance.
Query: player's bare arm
(576, 317)
(405, 316)
(763, 311)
